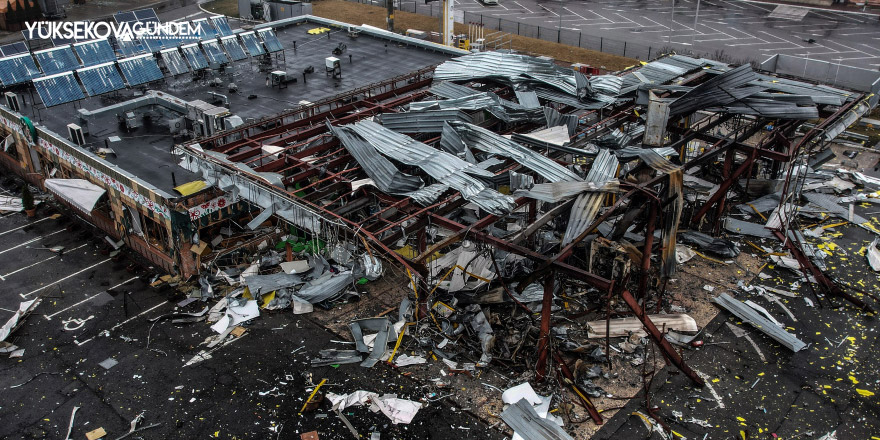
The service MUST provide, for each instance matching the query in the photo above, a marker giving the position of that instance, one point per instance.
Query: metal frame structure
(322, 174)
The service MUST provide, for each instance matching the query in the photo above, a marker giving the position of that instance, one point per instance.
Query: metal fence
(552, 34)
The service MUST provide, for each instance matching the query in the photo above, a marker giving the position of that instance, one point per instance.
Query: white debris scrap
(398, 410)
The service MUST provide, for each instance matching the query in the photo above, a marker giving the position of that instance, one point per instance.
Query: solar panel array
(207, 31)
(100, 79)
(214, 52)
(195, 57)
(13, 48)
(57, 60)
(222, 25)
(253, 45)
(234, 49)
(98, 73)
(140, 69)
(17, 69)
(58, 89)
(95, 52)
(272, 42)
(174, 62)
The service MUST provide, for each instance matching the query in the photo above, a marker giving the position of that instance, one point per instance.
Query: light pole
(696, 17)
(672, 22)
(558, 27)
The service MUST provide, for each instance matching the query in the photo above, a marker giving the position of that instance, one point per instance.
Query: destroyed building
(293, 174)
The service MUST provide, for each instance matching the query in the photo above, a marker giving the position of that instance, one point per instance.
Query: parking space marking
(49, 317)
(525, 8)
(126, 321)
(33, 240)
(24, 226)
(26, 295)
(3, 277)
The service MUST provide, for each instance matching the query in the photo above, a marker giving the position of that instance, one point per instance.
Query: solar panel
(100, 79)
(13, 49)
(214, 52)
(140, 69)
(17, 69)
(222, 25)
(233, 48)
(195, 57)
(272, 42)
(153, 44)
(207, 31)
(174, 62)
(128, 48)
(95, 52)
(59, 59)
(253, 45)
(58, 89)
(125, 17)
(146, 15)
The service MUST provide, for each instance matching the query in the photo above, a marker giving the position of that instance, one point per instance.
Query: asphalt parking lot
(98, 306)
(738, 29)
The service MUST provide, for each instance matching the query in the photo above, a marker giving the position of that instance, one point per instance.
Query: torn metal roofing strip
(524, 420)
(384, 173)
(717, 91)
(848, 118)
(559, 191)
(587, 205)
(442, 166)
(527, 99)
(829, 202)
(430, 121)
(500, 65)
(507, 111)
(748, 314)
(451, 90)
(747, 228)
(490, 142)
(555, 118)
(769, 108)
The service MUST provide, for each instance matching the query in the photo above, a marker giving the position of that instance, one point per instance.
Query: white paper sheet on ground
(23, 309)
(398, 410)
(406, 360)
(300, 306)
(874, 255)
(357, 398)
(10, 204)
(683, 253)
(296, 266)
(521, 391)
(222, 324)
(248, 311)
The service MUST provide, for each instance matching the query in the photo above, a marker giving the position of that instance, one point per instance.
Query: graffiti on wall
(209, 207)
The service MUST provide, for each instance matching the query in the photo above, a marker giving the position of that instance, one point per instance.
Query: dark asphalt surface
(732, 28)
(216, 398)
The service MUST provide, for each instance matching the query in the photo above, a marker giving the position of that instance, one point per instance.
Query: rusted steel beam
(658, 338)
(585, 401)
(648, 249)
(723, 187)
(544, 338)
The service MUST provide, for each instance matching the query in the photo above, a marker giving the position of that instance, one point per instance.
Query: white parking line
(25, 295)
(24, 226)
(32, 241)
(3, 277)
(49, 317)
(126, 321)
(527, 9)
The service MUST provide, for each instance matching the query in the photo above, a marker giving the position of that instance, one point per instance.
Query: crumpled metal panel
(717, 91)
(385, 175)
(485, 140)
(430, 121)
(559, 191)
(262, 284)
(555, 118)
(440, 165)
(502, 109)
(587, 205)
(451, 90)
(528, 99)
(748, 314)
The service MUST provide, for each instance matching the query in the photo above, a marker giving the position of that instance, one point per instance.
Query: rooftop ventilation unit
(12, 102)
(75, 133)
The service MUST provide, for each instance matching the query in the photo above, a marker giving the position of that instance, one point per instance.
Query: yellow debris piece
(864, 393)
(318, 30)
(191, 187)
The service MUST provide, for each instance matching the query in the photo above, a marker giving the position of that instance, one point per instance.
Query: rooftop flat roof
(145, 151)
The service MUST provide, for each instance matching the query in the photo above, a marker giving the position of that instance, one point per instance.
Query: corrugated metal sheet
(747, 228)
(485, 140)
(430, 121)
(451, 90)
(527, 99)
(502, 109)
(559, 191)
(748, 314)
(717, 91)
(385, 175)
(440, 165)
(587, 205)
